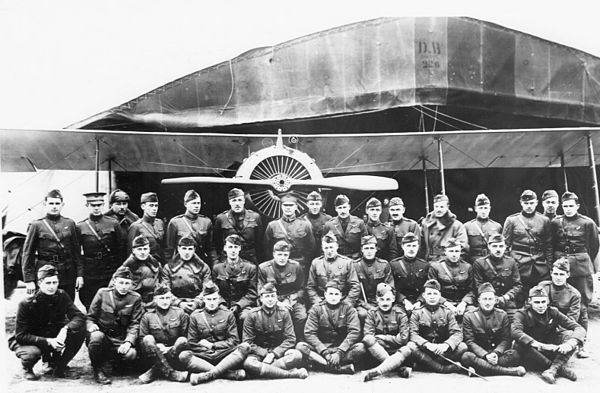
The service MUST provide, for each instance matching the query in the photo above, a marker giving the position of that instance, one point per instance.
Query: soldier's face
(95, 208)
(193, 206)
(452, 253)
(186, 252)
(232, 250)
(559, 277)
(314, 207)
(487, 301)
(410, 249)
(288, 208)
(529, 206)
(122, 285)
(329, 249)
(333, 296)
(369, 251)
(212, 301)
(150, 208)
(163, 301)
(141, 252)
(120, 208)
(343, 210)
(53, 206)
(440, 208)
(281, 257)
(237, 204)
(431, 296)
(539, 304)
(483, 211)
(396, 212)
(386, 301)
(570, 208)
(374, 213)
(48, 285)
(550, 205)
(269, 300)
(497, 249)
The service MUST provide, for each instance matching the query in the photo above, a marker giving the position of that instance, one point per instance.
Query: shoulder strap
(210, 329)
(96, 235)
(189, 226)
(151, 230)
(491, 266)
(287, 236)
(443, 264)
(53, 233)
(527, 230)
(481, 232)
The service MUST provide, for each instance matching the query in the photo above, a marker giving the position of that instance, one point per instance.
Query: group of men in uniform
(200, 301)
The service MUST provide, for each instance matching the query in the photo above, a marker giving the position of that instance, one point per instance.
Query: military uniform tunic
(124, 220)
(269, 330)
(566, 298)
(478, 233)
(288, 279)
(386, 239)
(217, 326)
(186, 278)
(349, 239)
(434, 324)
(152, 229)
(237, 283)
(437, 232)
(317, 223)
(117, 316)
(248, 225)
(529, 326)
(371, 273)
(409, 277)
(487, 332)
(340, 269)
(165, 326)
(297, 232)
(196, 226)
(146, 274)
(503, 274)
(456, 280)
(391, 327)
(332, 326)
(402, 227)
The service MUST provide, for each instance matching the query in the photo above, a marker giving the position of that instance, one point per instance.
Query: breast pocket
(300, 233)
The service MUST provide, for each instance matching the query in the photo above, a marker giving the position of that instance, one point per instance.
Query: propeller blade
(353, 182)
(216, 180)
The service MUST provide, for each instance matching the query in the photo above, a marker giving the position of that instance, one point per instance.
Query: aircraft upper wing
(205, 153)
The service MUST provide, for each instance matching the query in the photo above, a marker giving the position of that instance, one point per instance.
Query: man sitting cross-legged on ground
(386, 335)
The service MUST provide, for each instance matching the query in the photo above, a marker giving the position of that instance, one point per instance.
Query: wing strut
(594, 176)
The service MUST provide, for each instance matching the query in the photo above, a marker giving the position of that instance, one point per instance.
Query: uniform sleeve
(261, 253)
(574, 307)
(232, 334)
(268, 239)
(392, 245)
(249, 299)
(401, 338)
(370, 328)
(289, 337)
(311, 329)
(469, 297)
(193, 335)
(300, 284)
(517, 287)
(554, 235)
(24, 326)
(469, 335)
(29, 248)
(249, 335)
(547, 244)
(311, 285)
(353, 326)
(415, 319)
(463, 239)
(454, 330)
(478, 274)
(507, 232)
(592, 243)
(131, 234)
(93, 314)
(76, 318)
(170, 238)
(134, 323)
(310, 242)
(75, 250)
(506, 342)
(144, 325)
(185, 323)
(261, 277)
(518, 327)
(120, 242)
(218, 235)
(354, 284)
(578, 332)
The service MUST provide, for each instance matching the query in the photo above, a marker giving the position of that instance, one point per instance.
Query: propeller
(283, 182)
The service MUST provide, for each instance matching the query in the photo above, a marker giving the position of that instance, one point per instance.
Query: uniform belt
(96, 255)
(574, 250)
(51, 258)
(528, 249)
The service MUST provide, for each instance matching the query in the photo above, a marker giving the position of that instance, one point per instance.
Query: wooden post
(594, 176)
(441, 161)
(426, 186)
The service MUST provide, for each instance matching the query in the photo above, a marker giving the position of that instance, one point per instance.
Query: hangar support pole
(564, 170)
(594, 176)
(441, 160)
(425, 185)
(97, 164)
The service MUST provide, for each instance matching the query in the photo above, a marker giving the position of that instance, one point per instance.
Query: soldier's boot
(509, 358)
(390, 363)
(345, 369)
(235, 375)
(263, 370)
(163, 365)
(150, 375)
(549, 375)
(291, 359)
(181, 344)
(29, 375)
(485, 368)
(311, 355)
(567, 373)
(194, 364)
(233, 360)
(100, 377)
(424, 359)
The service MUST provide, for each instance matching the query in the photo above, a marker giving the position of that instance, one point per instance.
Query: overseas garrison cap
(562, 264)
(373, 202)
(94, 196)
(482, 200)
(409, 238)
(485, 287)
(281, 245)
(234, 193)
(369, 239)
(496, 238)
(161, 289)
(139, 241)
(149, 197)
(396, 201)
(314, 196)
(452, 242)
(329, 237)
(433, 283)
(528, 195)
(186, 241)
(333, 284)
(383, 288)
(46, 271)
(537, 291)
(268, 288)
(440, 198)
(340, 200)
(570, 196)
(549, 194)
(234, 239)
(190, 195)
(118, 195)
(288, 198)
(54, 194)
(123, 272)
(209, 288)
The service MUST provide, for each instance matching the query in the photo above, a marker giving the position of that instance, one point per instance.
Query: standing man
(49, 326)
(296, 232)
(502, 272)
(288, 278)
(316, 217)
(575, 237)
(401, 225)
(145, 270)
(546, 338)
(113, 322)
(186, 274)
(480, 229)
(103, 246)
(348, 229)
(52, 240)
(528, 238)
(410, 273)
(118, 201)
(243, 222)
(386, 239)
(439, 226)
(371, 272)
(332, 266)
(550, 203)
(150, 227)
(194, 225)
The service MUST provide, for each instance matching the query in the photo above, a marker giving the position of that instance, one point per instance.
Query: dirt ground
(588, 371)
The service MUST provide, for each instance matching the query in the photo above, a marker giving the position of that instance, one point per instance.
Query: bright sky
(65, 60)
